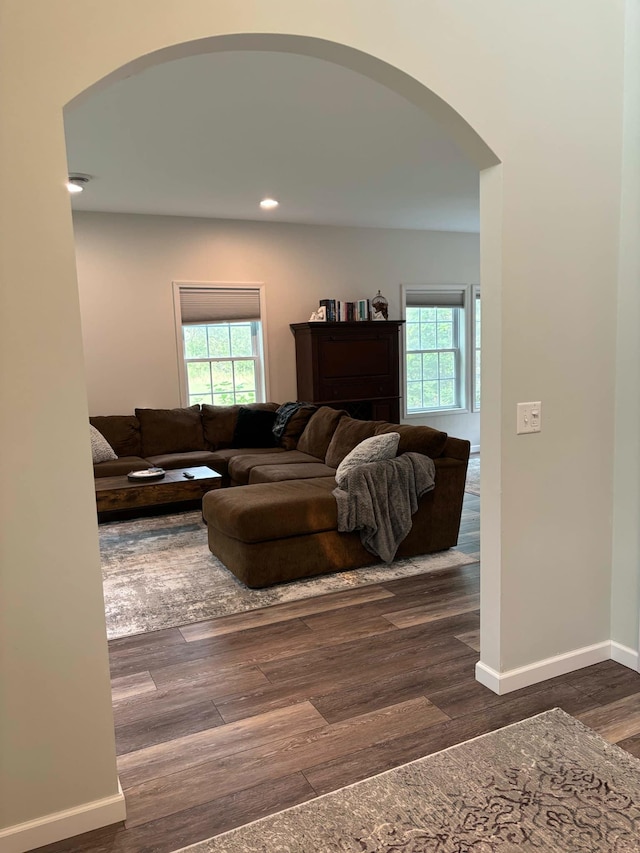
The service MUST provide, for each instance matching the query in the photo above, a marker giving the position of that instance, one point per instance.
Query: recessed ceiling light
(77, 182)
(268, 203)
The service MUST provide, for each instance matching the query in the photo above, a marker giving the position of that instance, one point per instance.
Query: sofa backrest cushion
(254, 428)
(348, 433)
(373, 449)
(121, 431)
(295, 427)
(219, 422)
(170, 430)
(318, 432)
(417, 439)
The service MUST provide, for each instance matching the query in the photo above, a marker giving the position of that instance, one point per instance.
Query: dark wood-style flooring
(224, 722)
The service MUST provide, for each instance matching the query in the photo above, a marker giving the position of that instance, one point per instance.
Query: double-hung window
(477, 322)
(439, 343)
(220, 343)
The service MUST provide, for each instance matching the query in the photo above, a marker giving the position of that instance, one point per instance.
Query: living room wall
(126, 264)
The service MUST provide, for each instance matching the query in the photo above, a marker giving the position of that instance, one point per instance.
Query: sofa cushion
(101, 450)
(121, 431)
(240, 466)
(120, 466)
(372, 449)
(318, 432)
(295, 427)
(417, 439)
(170, 430)
(268, 511)
(219, 422)
(191, 459)
(278, 473)
(220, 459)
(254, 428)
(349, 433)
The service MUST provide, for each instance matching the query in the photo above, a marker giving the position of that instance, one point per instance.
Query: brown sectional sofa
(172, 438)
(282, 524)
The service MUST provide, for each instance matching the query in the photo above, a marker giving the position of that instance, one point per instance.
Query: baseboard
(524, 676)
(475, 448)
(65, 824)
(624, 655)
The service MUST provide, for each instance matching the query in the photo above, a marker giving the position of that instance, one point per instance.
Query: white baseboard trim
(65, 824)
(524, 676)
(475, 448)
(624, 655)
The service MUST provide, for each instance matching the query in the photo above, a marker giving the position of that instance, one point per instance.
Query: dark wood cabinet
(352, 366)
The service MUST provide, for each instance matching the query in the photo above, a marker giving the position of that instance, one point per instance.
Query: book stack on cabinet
(352, 365)
(346, 312)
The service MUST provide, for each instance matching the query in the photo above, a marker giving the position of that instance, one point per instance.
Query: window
(220, 344)
(477, 322)
(439, 343)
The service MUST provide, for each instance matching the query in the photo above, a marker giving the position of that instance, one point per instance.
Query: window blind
(435, 298)
(217, 304)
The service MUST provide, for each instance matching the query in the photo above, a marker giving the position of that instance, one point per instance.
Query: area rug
(473, 475)
(547, 784)
(159, 573)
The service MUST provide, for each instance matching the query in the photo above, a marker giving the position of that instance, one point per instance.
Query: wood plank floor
(227, 721)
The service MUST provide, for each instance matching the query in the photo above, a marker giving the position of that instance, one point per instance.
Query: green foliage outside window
(431, 366)
(222, 364)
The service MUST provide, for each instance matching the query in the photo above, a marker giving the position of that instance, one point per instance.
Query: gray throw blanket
(379, 498)
(283, 415)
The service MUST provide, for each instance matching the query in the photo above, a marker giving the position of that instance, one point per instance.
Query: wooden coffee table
(116, 493)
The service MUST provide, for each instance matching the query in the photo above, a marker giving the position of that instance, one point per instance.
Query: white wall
(126, 264)
(541, 83)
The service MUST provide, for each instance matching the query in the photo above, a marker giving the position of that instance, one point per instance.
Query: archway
(69, 427)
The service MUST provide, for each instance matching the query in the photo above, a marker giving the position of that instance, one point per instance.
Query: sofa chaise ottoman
(281, 523)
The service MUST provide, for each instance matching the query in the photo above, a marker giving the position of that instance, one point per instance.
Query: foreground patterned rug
(159, 573)
(547, 784)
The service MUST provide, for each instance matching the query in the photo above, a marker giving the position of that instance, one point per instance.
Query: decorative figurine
(380, 307)
(319, 316)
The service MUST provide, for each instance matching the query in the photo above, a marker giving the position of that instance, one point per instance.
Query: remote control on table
(188, 475)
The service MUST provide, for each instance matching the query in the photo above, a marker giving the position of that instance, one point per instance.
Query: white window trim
(466, 385)
(210, 285)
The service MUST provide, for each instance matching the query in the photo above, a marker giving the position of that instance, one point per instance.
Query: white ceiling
(212, 135)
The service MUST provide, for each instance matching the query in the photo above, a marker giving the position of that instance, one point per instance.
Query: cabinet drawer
(358, 389)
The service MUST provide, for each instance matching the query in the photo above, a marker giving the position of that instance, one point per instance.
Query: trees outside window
(223, 363)
(442, 348)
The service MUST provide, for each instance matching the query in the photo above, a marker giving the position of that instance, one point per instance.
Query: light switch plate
(529, 418)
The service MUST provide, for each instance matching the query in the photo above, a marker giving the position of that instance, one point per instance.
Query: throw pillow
(254, 428)
(370, 450)
(219, 422)
(101, 450)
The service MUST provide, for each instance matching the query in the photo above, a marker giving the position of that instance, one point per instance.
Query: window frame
(261, 359)
(476, 346)
(466, 349)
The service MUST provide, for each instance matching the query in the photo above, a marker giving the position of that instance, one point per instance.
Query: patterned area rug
(473, 475)
(159, 573)
(547, 784)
